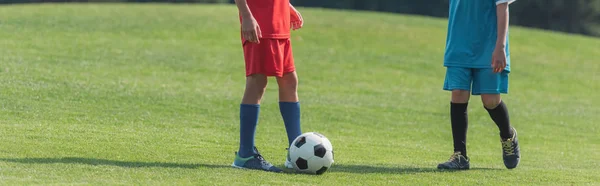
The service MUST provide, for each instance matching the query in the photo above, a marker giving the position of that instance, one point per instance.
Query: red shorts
(272, 57)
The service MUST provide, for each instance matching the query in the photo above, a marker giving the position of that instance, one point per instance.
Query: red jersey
(273, 17)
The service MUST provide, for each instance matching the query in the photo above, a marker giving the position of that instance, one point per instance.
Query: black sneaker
(456, 162)
(510, 151)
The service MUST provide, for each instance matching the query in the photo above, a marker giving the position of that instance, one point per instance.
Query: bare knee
(460, 96)
(288, 87)
(255, 88)
(490, 101)
(288, 80)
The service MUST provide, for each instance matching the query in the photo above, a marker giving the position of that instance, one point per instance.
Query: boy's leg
(289, 105)
(490, 85)
(288, 95)
(498, 112)
(259, 60)
(459, 119)
(458, 80)
(249, 111)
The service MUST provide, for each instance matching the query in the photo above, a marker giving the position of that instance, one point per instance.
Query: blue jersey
(472, 34)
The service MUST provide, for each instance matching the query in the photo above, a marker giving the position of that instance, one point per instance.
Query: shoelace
(263, 162)
(507, 147)
(453, 157)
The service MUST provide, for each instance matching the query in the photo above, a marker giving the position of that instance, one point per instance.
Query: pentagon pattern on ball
(321, 171)
(302, 164)
(311, 153)
(300, 142)
(320, 151)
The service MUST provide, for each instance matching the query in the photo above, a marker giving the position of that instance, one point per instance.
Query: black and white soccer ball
(311, 153)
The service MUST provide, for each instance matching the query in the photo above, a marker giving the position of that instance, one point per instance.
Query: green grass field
(149, 95)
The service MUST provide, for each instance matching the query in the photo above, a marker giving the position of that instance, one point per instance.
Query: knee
(256, 83)
(288, 86)
(460, 96)
(255, 88)
(258, 80)
(288, 81)
(490, 101)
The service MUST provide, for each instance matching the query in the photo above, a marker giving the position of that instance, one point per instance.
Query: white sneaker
(288, 162)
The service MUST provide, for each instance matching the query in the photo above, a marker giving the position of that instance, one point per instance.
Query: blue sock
(248, 122)
(290, 111)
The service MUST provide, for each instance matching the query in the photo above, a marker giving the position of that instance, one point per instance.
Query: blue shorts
(481, 80)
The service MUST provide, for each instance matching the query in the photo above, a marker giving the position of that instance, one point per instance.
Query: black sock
(500, 117)
(459, 121)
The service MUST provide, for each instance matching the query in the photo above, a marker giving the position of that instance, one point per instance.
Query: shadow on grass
(365, 169)
(126, 164)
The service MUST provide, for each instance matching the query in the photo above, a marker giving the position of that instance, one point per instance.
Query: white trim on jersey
(504, 1)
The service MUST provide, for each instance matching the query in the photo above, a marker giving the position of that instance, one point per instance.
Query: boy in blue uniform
(478, 62)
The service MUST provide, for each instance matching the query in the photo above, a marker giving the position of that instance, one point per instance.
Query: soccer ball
(311, 153)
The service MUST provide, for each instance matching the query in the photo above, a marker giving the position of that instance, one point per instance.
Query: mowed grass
(108, 94)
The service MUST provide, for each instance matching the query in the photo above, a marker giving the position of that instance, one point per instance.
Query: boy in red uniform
(266, 26)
